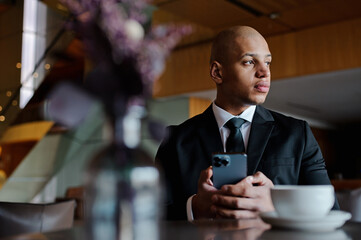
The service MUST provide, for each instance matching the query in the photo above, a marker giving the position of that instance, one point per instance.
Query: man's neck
(232, 109)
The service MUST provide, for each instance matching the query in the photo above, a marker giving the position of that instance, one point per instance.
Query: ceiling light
(274, 15)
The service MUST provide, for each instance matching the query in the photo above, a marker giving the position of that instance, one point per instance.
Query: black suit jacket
(281, 147)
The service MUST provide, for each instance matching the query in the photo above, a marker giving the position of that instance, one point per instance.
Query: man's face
(246, 73)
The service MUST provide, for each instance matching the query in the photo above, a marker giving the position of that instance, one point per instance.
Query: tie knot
(235, 123)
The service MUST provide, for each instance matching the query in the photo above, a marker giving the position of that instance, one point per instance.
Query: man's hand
(244, 199)
(201, 202)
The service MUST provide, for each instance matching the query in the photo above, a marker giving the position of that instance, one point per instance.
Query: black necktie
(235, 141)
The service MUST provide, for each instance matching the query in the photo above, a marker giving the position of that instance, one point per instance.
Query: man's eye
(249, 62)
(268, 63)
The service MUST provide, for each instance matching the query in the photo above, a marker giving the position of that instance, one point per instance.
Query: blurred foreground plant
(128, 53)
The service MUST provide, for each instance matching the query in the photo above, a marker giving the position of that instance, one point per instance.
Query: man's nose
(263, 71)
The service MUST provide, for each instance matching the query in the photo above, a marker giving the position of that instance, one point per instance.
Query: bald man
(280, 149)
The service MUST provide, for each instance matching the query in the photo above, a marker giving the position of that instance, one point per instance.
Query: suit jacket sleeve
(313, 168)
(167, 159)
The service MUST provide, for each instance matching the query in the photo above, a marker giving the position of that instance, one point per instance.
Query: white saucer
(330, 222)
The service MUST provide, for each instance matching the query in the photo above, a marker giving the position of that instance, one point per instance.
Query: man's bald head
(223, 44)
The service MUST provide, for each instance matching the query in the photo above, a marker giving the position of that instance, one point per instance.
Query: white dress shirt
(222, 116)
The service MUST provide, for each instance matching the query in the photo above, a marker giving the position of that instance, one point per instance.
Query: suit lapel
(262, 125)
(210, 138)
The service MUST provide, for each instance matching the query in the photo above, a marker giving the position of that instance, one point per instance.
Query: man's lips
(262, 87)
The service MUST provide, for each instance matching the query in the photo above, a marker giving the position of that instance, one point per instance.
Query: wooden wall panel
(197, 105)
(187, 70)
(284, 60)
(199, 33)
(13, 153)
(208, 12)
(317, 50)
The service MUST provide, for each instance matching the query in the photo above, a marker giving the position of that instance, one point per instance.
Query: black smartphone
(228, 168)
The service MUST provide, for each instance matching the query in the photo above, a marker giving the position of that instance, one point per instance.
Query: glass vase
(122, 187)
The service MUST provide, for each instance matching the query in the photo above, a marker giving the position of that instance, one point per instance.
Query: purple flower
(128, 57)
(113, 33)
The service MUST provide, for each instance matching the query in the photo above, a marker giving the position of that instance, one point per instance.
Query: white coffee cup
(303, 201)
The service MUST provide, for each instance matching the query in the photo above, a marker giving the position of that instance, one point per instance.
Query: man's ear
(216, 72)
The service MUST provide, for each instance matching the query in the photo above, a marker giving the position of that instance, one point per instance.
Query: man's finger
(231, 213)
(205, 178)
(240, 189)
(206, 173)
(260, 179)
(231, 202)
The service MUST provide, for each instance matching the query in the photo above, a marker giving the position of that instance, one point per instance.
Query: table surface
(251, 229)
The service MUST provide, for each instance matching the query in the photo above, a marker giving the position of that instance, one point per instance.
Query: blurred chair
(77, 194)
(17, 218)
(348, 193)
(350, 201)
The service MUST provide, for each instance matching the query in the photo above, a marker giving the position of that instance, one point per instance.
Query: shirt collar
(222, 116)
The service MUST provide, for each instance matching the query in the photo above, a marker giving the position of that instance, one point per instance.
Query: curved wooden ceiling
(269, 17)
